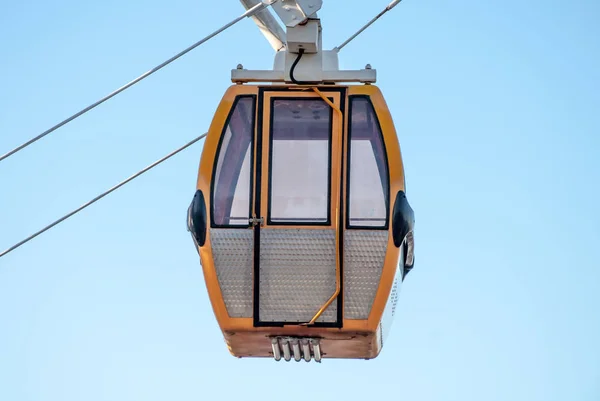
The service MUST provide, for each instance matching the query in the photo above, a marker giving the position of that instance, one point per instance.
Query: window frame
(377, 124)
(327, 222)
(213, 224)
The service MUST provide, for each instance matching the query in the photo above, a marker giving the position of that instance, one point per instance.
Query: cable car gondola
(300, 214)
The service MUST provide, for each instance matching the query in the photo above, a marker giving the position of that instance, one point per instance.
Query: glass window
(300, 161)
(369, 182)
(231, 181)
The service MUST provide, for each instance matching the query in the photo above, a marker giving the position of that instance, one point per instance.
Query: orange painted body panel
(360, 339)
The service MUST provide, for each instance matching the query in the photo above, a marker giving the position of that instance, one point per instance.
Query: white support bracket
(299, 56)
(294, 12)
(365, 76)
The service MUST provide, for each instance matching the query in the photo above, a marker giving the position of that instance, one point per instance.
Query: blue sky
(496, 105)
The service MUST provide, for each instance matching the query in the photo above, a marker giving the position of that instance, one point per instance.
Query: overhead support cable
(102, 195)
(351, 38)
(249, 13)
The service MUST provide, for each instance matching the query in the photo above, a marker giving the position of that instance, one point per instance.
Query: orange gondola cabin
(300, 215)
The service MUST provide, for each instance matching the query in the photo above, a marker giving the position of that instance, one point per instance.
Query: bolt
(368, 67)
(240, 67)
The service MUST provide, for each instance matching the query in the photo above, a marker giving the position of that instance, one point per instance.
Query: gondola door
(297, 216)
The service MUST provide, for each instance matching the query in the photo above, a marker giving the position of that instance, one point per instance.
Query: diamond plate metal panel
(364, 254)
(233, 255)
(390, 307)
(297, 275)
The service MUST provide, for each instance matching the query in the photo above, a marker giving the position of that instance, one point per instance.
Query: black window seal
(216, 162)
(329, 166)
(349, 226)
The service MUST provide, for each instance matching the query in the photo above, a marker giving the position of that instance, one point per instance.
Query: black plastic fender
(403, 222)
(197, 219)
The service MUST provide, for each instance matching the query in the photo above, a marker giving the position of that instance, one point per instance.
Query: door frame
(261, 186)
